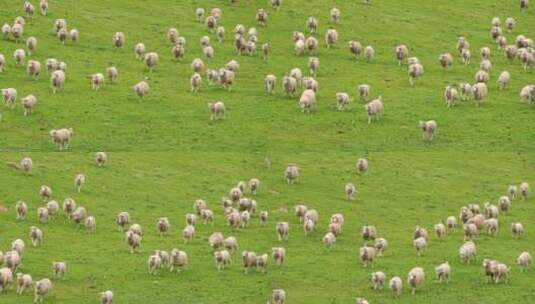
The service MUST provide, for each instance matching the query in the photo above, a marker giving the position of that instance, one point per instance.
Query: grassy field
(164, 153)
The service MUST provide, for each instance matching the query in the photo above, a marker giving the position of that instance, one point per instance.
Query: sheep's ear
(380, 97)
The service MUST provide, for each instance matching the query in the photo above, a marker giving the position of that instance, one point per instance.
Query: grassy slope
(164, 153)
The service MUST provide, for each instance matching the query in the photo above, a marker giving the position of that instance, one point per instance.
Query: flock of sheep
(238, 209)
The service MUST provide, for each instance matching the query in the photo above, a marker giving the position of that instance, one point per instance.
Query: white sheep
(440, 230)
(36, 235)
(153, 263)
(22, 209)
(28, 103)
(59, 269)
(24, 282)
(367, 255)
(396, 285)
(199, 13)
(331, 37)
(420, 244)
(75, 35)
(335, 15)
(18, 245)
(139, 50)
(467, 252)
(465, 90)
(517, 230)
(112, 73)
(261, 17)
(141, 89)
(480, 92)
(106, 297)
(380, 245)
(217, 110)
(33, 69)
(216, 240)
(415, 278)
(443, 272)
(465, 56)
(62, 137)
(446, 60)
(402, 52)
(41, 289)
(43, 5)
(524, 190)
(133, 240)
(428, 129)
(226, 78)
(311, 44)
(97, 81)
(312, 24)
(19, 55)
(510, 23)
(118, 40)
(485, 65)
(278, 296)
(269, 83)
(415, 71)
(342, 101)
(17, 30)
(283, 230)
(524, 261)
(492, 226)
(350, 191)
(69, 205)
(31, 44)
(503, 79)
(484, 52)
(57, 80)
(188, 233)
(62, 35)
(222, 259)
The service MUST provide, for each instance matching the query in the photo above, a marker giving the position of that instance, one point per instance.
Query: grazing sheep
(350, 191)
(133, 240)
(420, 244)
(28, 103)
(517, 229)
(380, 245)
(59, 269)
(443, 272)
(36, 235)
(222, 259)
(415, 278)
(118, 40)
(21, 209)
(141, 89)
(6, 31)
(367, 255)
(62, 137)
(291, 174)
(69, 205)
(217, 110)
(524, 190)
(401, 52)
(269, 83)
(24, 282)
(428, 129)
(415, 71)
(106, 297)
(378, 279)
(57, 80)
(480, 92)
(97, 81)
(188, 233)
(503, 79)
(440, 230)
(374, 109)
(524, 261)
(446, 60)
(45, 192)
(396, 285)
(300, 211)
(41, 289)
(283, 230)
(216, 240)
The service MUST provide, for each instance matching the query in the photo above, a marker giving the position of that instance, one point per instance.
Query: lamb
(415, 71)
(141, 89)
(41, 289)
(52, 207)
(261, 17)
(22, 210)
(106, 297)
(17, 30)
(222, 259)
(446, 60)
(133, 240)
(195, 82)
(43, 5)
(279, 255)
(24, 282)
(308, 226)
(278, 296)
(524, 261)
(402, 52)
(465, 56)
(269, 83)
(57, 80)
(217, 110)
(118, 40)
(311, 44)
(188, 233)
(139, 50)
(329, 239)
(396, 285)
(492, 226)
(443, 272)
(62, 35)
(466, 91)
(69, 205)
(291, 174)
(215, 240)
(440, 230)
(262, 262)
(75, 35)
(59, 269)
(428, 129)
(503, 79)
(90, 224)
(6, 31)
(18, 246)
(480, 92)
(374, 109)
(36, 236)
(420, 244)
(19, 55)
(350, 191)
(78, 215)
(380, 245)
(369, 53)
(378, 279)
(524, 190)
(364, 91)
(367, 255)
(199, 13)
(97, 81)
(226, 78)
(154, 262)
(415, 278)
(62, 137)
(163, 226)
(283, 230)
(28, 103)
(45, 192)
(510, 23)
(31, 44)
(331, 37)
(517, 229)
(112, 73)
(335, 15)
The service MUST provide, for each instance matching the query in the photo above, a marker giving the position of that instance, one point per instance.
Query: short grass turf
(164, 153)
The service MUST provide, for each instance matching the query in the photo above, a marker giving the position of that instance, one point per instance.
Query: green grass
(164, 153)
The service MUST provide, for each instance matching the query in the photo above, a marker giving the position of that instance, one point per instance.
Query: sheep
(364, 91)
(75, 35)
(462, 43)
(112, 73)
(402, 52)
(29, 9)
(367, 255)
(368, 233)
(151, 60)
(470, 231)
(278, 296)
(261, 17)
(415, 278)
(335, 15)
(428, 129)
(43, 6)
(269, 83)
(45, 192)
(465, 56)
(524, 261)
(42, 214)
(191, 219)
(443, 272)
(19, 55)
(12, 260)
(41, 289)
(24, 281)
(62, 137)
(22, 209)
(501, 41)
(31, 44)
(527, 94)
(329, 239)
(154, 262)
(216, 13)
(446, 60)
(217, 110)
(510, 23)
(331, 37)
(195, 82)
(33, 69)
(491, 211)
(52, 207)
(310, 83)
(261, 262)
(172, 35)
(250, 47)
(415, 71)
(90, 224)
(139, 50)
(440, 230)
(503, 79)
(524, 190)
(291, 174)
(517, 230)
(311, 44)
(211, 23)
(230, 244)
(69, 205)
(133, 240)
(374, 109)
(465, 90)
(350, 191)
(199, 13)
(28, 103)
(187, 233)
(36, 235)
(510, 51)
(396, 285)
(6, 31)
(59, 269)
(283, 230)
(500, 271)
(207, 215)
(57, 80)
(208, 52)
(380, 245)
(226, 78)
(106, 297)
(215, 240)
(17, 30)
(485, 65)
(18, 246)
(451, 222)
(480, 92)
(276, 4)
(524, 5)
(308, 226)
(369, 53)
(420, 244)
(141, 89)
(245, 217)
(300, 211)
(413, 60)
(222, 259)
(378, 279)
(178, 260)
(59, 24)
(97, 81)
(118, 40)
(233, 66)
(163, 226)
(78, 215)
(62, 35)
(2, 62)
(492, 226)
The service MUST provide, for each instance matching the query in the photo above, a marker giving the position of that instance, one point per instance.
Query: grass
(164, 153)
